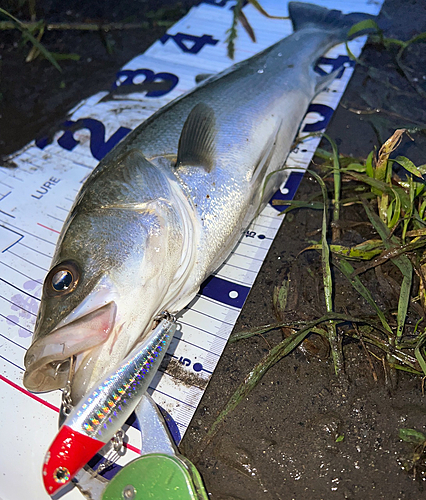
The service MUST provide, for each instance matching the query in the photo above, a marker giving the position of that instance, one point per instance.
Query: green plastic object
(157, 477)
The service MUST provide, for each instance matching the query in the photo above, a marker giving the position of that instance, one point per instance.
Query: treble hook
(58, 366)
(71, 371)
(66, 403)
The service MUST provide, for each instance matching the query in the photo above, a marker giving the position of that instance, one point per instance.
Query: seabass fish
(164, 209)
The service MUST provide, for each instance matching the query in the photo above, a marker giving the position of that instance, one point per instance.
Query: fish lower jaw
(47, 361)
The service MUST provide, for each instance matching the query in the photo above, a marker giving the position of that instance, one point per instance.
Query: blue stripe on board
(225, 291)
(292, 184)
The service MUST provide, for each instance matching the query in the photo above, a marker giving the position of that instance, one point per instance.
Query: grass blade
(419, 352)
(232, 32)
(293, 204)
(408, 165)
(412, 436)
(364, 251)
(274, 355)
(336, 351)
(402, 262)
(32, 39)
(337, 185)
(257, 6)
(348, 271)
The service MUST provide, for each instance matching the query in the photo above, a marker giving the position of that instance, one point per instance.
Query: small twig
(370, 361)
(387, 384)
(8, 25)
(266, 341)
(34, 52)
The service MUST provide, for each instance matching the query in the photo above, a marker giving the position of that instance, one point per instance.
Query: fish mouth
(47, 362)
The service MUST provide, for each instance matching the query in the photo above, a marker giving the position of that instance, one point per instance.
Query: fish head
(108, 280)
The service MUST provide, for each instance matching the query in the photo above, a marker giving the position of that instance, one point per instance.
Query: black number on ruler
(252, 234)
(156, 84)
(197, 367)
(184, 361)
(190, 44)
(99, 147)
(342, 62)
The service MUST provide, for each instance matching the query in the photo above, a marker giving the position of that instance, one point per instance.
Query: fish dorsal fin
(197, 140)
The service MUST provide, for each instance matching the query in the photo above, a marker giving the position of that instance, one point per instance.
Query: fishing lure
(100, 414)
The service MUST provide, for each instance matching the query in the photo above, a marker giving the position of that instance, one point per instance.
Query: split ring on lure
(104, 410)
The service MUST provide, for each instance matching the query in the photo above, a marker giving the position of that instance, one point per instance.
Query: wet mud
(300, 434)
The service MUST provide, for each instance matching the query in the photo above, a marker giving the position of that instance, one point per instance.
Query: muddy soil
(280, 442)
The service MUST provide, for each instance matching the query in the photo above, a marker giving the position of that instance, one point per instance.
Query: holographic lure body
(105, 409)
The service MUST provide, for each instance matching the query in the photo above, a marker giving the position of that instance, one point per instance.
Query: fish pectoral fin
(197, 143)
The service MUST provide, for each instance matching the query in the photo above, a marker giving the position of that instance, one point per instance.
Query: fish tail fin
(304, 15)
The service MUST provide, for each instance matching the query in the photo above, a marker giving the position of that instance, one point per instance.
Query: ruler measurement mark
(56, 218)
(235, 280)
(200, 329)
(49, 228)
(172, 397)
(228, 308)
(28, 261)
(30, 234)
(199, 347)
(18, 305)
(27, 393)
(237, 267)
(35, 250)
(12, 363)
(9, 215)
(253, 258)
(208, 315)
(263, 226)
(165, 372)
(64, 209)
(16, 323)
(12, 239)
(12, 341)
(19, 289)
(21, 273)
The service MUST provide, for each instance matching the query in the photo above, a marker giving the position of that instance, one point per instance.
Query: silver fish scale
(256, 103)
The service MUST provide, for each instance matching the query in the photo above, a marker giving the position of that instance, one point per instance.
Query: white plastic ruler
(36, 196)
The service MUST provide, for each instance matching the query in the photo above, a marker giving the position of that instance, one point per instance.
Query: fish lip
(43, 359)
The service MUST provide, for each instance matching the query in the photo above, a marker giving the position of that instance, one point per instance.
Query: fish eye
(62, 279)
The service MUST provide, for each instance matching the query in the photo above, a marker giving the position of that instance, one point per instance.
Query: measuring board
(36, 196)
